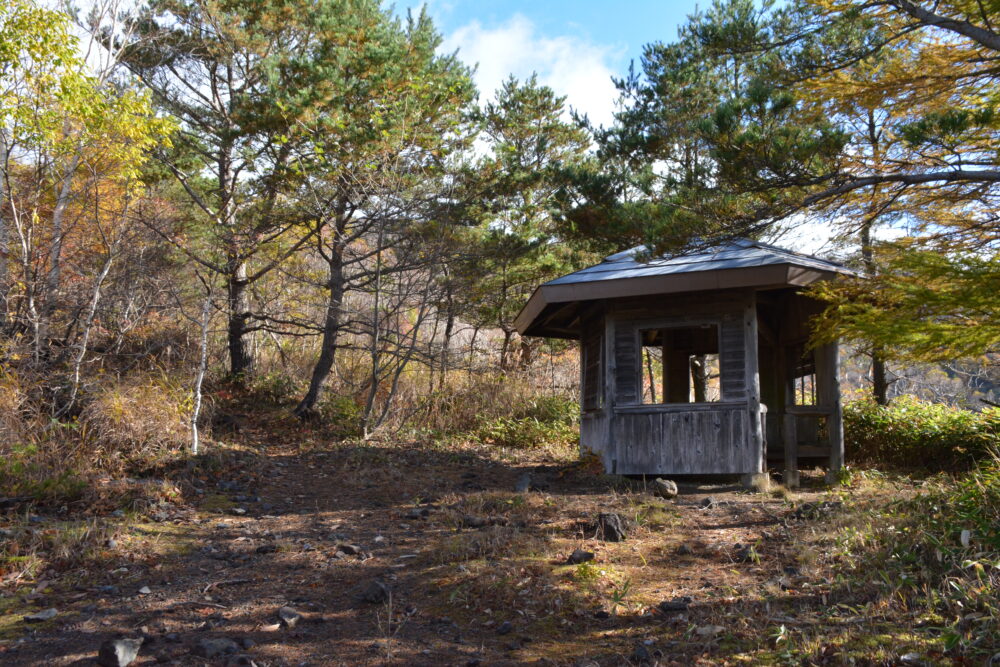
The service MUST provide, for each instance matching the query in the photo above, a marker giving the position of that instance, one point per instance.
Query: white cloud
(570, 65)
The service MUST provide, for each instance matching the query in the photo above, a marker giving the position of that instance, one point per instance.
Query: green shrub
(273, 388)
(526, 432)
(918, 435)
(341, 413)
(534, 421)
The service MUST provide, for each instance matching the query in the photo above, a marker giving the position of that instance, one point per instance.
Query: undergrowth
(936, 554)
(914, 434)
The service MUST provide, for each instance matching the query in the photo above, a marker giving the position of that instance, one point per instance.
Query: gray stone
(579, 556)
(611, 527)
(505, 628)
(350, 549)
(675, 605)
(664, 488)
(38, 617)
(118, 652)
(745, 553)
(375, 592)
(523, 484)
(289, 617)
(641, 655)
(214, 647)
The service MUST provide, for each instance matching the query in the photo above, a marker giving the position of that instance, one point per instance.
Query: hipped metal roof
(552, 309)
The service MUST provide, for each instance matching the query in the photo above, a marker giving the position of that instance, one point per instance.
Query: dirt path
(404, 555)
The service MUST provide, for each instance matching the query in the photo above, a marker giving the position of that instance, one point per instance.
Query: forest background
(208, 206)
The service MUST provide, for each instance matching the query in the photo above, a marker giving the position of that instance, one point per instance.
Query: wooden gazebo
(699, 364)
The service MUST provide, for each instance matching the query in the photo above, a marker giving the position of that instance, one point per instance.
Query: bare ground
(469, 571)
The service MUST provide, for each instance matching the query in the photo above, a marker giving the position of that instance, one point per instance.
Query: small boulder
(375, 592)
(664, 488)
(611, 527)
(350, 549)
(118, 652)
(745, 553)
(579, 556)
(289, 617)
(38, 617)
(505, 628)
(523, 484)
(674, 605)
(212, 648)
(641, 655)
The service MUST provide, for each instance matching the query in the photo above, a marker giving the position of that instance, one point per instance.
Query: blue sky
(576, 47)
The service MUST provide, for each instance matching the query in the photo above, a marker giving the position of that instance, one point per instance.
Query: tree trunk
(331, 331)
(240, 357)
(4, 234)
(53, 277)
(880, 380)
(505, 364)
(699, 378)
(202, 366)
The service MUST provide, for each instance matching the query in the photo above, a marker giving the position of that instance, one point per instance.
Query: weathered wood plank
(755, 436)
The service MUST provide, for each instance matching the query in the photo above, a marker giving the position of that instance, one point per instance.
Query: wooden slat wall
(732, 359)
(626, 364)
(678, 441)
(592, 389)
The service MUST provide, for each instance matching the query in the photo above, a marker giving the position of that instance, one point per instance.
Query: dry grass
(137, 421)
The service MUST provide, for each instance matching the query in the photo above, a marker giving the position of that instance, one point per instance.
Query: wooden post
(753, 478)
(789, 433)
(790, 439)
(828, 394)
(610, 453)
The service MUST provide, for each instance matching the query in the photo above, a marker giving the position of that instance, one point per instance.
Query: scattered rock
(602, 615)
(214, 647)
(709, 630)
(238, 511)
(675, 605)
(375, 592)
(611, 527)
(641, 655)
(523, 484)
(118, 514)
(350, 549)
(684, 550)
(579, 556)
(505, 628)
(38, 617)
(267, 549)
(247, 643)
(418, 513)
(816, 510)
(708, 502)
(911, 659)
(118, 652)
(111, 543)
(664, 488)
(469, 521)
(145, 590)
(745, 553)
(289, 617)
